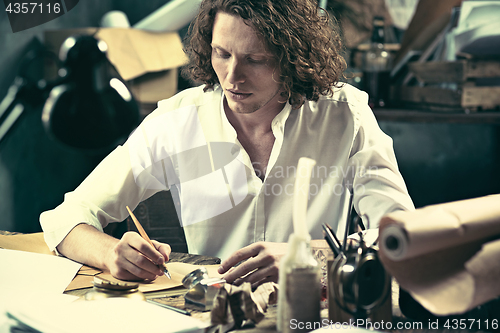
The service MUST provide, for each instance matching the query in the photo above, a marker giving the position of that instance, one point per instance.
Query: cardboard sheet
(136, 52)
(446, 256)
(147, 60)
(177, 270)
(25, 242)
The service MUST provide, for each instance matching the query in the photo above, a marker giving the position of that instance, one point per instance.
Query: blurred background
(446, 150)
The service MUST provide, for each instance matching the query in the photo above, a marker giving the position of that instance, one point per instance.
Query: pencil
(349, 222)
(331, 239)
(145, 236)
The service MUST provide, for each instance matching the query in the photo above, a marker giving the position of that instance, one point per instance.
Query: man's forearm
(87, 245)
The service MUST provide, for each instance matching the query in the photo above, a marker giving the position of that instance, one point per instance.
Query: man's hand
(129, 258)
(261, 264)
(133, 258)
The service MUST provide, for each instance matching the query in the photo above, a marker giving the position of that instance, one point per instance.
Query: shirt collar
(280, 119)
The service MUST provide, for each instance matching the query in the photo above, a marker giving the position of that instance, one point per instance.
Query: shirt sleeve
(100, 199)
(378, 185)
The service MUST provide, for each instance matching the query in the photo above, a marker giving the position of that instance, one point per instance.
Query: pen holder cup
(323, 254)
(359, 288)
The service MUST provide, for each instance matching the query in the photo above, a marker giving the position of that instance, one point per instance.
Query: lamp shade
(90, 108)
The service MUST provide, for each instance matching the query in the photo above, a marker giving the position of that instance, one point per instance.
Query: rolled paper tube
(446, 255)
(405, 235)
(395, 242)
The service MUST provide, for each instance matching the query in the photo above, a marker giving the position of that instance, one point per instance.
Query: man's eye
(223, 55)
(256, 60)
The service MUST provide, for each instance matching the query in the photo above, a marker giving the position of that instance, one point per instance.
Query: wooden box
(469, 85)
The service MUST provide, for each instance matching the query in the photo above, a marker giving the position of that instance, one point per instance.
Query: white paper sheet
(26, 272)
(121, 315)
(13, 299)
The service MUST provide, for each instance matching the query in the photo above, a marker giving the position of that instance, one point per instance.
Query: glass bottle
(300, 288)
(299, 297)
(376, 67)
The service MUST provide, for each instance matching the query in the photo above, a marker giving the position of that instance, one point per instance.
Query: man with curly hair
(228, 149)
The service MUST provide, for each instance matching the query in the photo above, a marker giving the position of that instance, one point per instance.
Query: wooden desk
(174, 297)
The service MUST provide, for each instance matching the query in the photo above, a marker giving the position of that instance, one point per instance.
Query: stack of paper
(108, 315)
(28, 277)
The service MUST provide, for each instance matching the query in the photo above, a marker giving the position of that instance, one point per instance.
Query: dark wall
(444, 162)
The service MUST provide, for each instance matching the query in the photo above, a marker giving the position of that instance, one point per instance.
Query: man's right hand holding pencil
(133, 258)
(128, 258)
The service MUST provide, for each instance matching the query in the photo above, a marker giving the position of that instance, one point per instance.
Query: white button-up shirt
(188, 146)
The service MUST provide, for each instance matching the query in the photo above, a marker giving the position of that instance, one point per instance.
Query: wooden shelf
(414, 115)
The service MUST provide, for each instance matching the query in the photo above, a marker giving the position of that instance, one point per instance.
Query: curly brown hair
(304, 41)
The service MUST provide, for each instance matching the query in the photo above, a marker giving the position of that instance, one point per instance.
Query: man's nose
(236, 73)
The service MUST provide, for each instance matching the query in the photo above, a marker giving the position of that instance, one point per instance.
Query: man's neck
(254, 132)
(252, 124)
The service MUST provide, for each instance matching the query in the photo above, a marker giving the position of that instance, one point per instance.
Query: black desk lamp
(87, 108)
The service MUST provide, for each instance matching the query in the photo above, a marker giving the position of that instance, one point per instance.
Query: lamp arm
(20, 92)
(11, 108)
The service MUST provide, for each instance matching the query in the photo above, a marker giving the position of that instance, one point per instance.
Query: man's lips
(238, 94)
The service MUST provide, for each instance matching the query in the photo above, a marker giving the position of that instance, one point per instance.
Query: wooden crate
(454, 71)
(465, 90)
